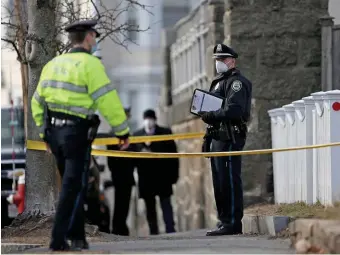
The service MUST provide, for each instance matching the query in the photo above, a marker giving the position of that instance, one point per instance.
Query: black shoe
(223, 230)
(62, 247)
(79, 245)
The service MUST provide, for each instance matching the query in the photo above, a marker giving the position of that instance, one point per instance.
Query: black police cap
(223, 51)
(82, 26)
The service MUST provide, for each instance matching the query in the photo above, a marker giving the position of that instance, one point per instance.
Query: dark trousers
(121, 209)
(151, 214)
(72, 151)
(227, 182)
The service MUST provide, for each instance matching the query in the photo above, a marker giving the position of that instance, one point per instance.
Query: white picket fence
(307, 175)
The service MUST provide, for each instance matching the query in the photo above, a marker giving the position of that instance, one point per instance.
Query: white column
(310, 180)
(156, 22)
(333, 103)
(197, 56)
(151, 37)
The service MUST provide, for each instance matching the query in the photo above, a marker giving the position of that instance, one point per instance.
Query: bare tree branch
(96, 8)
(111, 24)
(14, 46)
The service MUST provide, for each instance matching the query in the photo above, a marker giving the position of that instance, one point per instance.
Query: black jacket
(121, 168)
(237, 90)
(156, 176)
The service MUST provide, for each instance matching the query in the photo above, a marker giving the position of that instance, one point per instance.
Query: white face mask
(149, 124)
(221, 67)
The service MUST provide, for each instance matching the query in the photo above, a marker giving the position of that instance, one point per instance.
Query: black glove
(208, 117)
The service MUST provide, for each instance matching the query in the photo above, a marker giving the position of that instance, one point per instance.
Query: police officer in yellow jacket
(72, 87)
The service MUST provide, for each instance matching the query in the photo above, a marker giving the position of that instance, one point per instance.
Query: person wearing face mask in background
(227, 131)
(71, 88)
(156, 176)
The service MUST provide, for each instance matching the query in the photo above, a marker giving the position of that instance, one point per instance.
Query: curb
(265, 225)
(315, 236)
(17, 247)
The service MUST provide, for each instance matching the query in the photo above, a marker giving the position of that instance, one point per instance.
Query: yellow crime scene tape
(36, 145)
(154, 138)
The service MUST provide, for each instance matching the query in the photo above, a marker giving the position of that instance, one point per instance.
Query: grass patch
(302, 210)
(297, 210)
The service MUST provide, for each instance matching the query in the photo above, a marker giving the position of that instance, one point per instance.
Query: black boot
(225, 230)
(59, 247)
(79, 245)
(221, 231)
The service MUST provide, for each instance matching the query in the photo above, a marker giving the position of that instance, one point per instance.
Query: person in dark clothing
(123, 181)
(227, 131)
(156, 176)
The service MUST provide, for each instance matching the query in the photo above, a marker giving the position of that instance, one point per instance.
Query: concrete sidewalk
(190, 242)
(252, 224)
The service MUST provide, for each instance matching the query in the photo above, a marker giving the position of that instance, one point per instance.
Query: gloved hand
(208, 117)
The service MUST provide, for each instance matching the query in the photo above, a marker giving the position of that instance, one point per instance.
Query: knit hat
(149, 114)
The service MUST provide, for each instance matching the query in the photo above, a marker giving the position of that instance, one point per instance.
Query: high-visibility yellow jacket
(76, 84)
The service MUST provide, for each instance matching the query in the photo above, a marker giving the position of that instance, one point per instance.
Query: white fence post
(332, 103)
(309, 107)
(275, 126)
(282, 169)
(300, 156)
(291, 142)
(320, 137)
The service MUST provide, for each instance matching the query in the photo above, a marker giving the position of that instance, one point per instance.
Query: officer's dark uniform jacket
(236, 89)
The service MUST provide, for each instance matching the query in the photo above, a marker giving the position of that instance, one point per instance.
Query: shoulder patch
(217, 86)
(236, 85)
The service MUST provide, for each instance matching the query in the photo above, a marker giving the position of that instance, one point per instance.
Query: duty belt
(62, 122)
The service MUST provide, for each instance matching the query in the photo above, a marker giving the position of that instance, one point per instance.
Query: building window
(132, 24)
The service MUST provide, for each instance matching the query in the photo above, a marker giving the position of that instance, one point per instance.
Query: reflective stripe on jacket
(77, 84)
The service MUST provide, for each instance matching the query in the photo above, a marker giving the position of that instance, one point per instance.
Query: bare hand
(124, 144)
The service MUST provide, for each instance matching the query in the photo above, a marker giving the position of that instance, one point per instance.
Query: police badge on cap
(223, 51)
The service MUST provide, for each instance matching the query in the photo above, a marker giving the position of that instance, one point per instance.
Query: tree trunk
(41, 181)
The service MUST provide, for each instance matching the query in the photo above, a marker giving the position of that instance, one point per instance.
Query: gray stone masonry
(279, 46)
